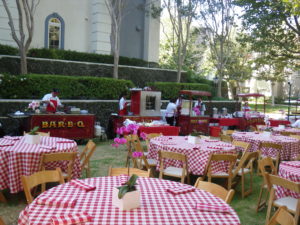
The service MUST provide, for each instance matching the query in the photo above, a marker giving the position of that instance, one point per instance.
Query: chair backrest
(266, 166)
(253, 128)
(295, 136)
(215, 189)
(241, 144)
(279, 181)
(62, 156)
(286, 133)
(120, 171)
(225, 138)
(150, 136)
(228, 132)
(230, 158)
(87, 153)
(282, 217)
(39, 178)
(172, 155)
(246, 161)
(270, 145)
(1, 221)
(46, 134)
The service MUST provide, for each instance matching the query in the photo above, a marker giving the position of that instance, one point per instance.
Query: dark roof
(195, 93)
(246, 95)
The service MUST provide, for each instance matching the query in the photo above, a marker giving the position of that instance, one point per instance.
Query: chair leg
(270, 204)
(243, 186)
(2, 198)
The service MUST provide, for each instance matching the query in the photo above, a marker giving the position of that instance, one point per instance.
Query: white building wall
(5, 33)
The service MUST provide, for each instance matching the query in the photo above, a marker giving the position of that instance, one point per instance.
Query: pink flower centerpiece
(125, 130)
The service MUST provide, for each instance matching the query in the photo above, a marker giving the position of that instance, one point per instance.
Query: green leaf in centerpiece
(122, 191)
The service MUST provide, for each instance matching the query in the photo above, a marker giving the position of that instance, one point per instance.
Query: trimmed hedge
(76, 56)
(8, 50)
(34, 86)
(170, 90)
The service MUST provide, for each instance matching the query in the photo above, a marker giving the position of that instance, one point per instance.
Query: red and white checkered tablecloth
(290, 150)
(290, 171)
(24, 159)
(197, 154)
(157, 205)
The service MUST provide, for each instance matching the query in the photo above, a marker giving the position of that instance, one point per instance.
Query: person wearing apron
(123, 106)
(52, 101)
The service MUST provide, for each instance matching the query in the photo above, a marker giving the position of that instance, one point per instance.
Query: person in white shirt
(296, 124)
(170, 112)
(52, 101)
(246, 107)
(122, 105)
(201, 106)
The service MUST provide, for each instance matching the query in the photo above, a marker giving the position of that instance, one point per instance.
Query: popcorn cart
(190, 121)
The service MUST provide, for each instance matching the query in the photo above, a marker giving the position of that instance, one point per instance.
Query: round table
(291, 130)
(197, 154)
(289, 170)
(290, 150)
(19, 158)
(157, 205)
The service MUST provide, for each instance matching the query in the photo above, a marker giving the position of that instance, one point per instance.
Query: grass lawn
(106, 156)
(269, 108)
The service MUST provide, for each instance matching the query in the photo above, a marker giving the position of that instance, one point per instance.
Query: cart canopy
(247, 95)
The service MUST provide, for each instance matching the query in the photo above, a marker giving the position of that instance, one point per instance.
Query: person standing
(170, 112)
(201, 106)
(52, 101)
(122, 105)
(246, 107)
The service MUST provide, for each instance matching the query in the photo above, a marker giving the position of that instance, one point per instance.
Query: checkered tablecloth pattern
(289, 171)
(157, 205)
(290, 150)
(197, 154)
(24, 159)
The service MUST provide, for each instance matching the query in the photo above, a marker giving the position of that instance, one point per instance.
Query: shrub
(8, 50)
(34, 86)
(170, 90)
(84, 57)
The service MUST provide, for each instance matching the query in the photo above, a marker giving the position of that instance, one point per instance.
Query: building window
(54, 31)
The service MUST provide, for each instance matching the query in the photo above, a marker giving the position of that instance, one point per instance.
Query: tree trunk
(273, 94)
(116, 66)
(219, 92)
(23, 59)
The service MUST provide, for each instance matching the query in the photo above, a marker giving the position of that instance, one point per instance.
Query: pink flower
(143, 136)
(115, 145)
(117, 140)
(122, 141)
(119, 130)
(137, 154)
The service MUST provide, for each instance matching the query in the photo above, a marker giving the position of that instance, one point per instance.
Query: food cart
(144, 108)
(251, 118)
(188, 121)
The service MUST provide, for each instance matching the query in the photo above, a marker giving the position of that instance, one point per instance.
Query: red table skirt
(165, 130)
(276, 123)
(226, 121)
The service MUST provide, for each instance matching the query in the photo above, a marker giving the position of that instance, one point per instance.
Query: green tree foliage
(294, 4)
(271, 28)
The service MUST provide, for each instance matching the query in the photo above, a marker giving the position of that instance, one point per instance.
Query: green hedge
(8, 50)
(34, 86)
(83, 57)
(170, 90)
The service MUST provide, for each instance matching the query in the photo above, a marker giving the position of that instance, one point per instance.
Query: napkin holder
(193, 140)
(131, 200)
(32, 139)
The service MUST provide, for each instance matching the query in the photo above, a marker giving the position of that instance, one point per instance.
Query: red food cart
(145, 107)
(187, 120)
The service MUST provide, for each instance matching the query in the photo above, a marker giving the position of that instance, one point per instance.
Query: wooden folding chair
(46, 134)
(215, 189)
(245, 167)
(174, 171)
(39, 178)
(86, 155)
(120, 171)
(241, 144)
(282, 217)
(1, 221)
(226, 138)
(292, 204)
(265, 165)
(277, 147)
(229, 159)
(228, 132)
(144, 162)
(149, 137)
(286, 133)
(295, 136)
(62, 156)
(130, 145)
(2, 198)
(253, 128)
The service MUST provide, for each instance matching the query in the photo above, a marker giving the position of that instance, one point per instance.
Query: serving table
(164, 130)
(197, 154)
(290, 150)
(19, 158)
(157, 205)
(276, 123)
(291, 171)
